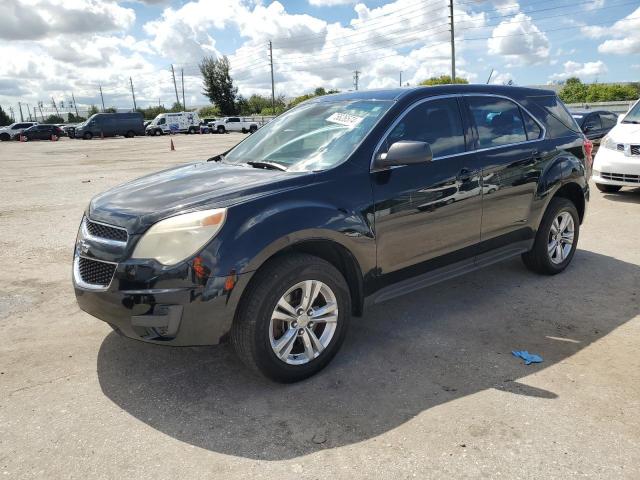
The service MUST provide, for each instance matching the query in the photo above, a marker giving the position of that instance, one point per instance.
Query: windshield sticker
(345, 119)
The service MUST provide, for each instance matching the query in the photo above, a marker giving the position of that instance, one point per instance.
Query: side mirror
(404, 152)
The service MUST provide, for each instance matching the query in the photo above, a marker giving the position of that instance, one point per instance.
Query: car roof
(587, 112)
(430, 91)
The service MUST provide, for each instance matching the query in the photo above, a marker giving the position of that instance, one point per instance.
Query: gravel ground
(424, 387)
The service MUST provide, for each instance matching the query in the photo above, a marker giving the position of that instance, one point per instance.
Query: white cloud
(501, 78)
(589, 70)
(626, 36)
(37, 19)
(520, 41)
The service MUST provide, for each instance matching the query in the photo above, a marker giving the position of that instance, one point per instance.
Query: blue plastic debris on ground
(528, 358)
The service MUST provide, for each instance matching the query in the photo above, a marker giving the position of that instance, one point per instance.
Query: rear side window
(609, 120)
(436, 122)
(532, 128)
(498, 121)
(555, 109)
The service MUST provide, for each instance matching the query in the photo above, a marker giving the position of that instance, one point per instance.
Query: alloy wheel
(304, 322)
(561, 237)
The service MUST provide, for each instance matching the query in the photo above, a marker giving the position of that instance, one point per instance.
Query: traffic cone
(53, 138)
(172, 148)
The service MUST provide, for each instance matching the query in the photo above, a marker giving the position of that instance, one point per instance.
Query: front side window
(436, 122)
(313, 136)
(633, 116)
(162, 121)
(498, 121)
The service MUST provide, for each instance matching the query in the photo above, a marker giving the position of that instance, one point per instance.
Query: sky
(53, 48)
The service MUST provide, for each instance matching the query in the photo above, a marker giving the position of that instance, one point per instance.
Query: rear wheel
(130, 134)
(608, 188)
(253, 129)
(192, 130)
(556, 240)
(293, 319)
(4, 137)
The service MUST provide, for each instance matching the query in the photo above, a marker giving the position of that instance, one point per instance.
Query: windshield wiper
(267, 165)
(630, 121)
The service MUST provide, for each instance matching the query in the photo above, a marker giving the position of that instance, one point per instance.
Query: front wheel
(4, 137)
(608, 188)
(87, 136)
(253, 129)
(556, 240)
(221, 129)
(158, 132)
(293, 319)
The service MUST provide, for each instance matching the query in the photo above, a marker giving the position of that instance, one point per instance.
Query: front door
(427, 215)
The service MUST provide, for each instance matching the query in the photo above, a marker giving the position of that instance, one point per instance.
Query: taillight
(588, 149)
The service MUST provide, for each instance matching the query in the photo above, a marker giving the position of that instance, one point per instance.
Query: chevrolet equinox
(346, 200)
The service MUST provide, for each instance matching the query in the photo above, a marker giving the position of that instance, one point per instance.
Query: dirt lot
(425, 385)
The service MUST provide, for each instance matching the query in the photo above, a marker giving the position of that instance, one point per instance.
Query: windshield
(313, 136)
(634, 114)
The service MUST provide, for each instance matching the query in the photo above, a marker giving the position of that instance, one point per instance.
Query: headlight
(608, 143)
(176, 238)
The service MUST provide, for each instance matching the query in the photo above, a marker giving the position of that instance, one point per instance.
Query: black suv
(345, 200)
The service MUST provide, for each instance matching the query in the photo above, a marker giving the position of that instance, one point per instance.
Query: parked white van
(180, 122)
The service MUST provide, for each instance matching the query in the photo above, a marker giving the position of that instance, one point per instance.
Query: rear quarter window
(550, 110)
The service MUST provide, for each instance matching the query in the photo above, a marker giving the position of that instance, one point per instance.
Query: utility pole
(184, 105)
(356, 77)
(400, 77)
(101, 98)
(453, 44)
(54, 106)
(20, 107)
(35, 114)
(40, 107)
(133, 94)
(75, 104)
(29, 112)
(273, 86)
(13, 118)
(173, 73)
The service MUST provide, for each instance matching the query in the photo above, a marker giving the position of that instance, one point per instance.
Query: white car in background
(235, 124)
(617, 163)
(13, 131)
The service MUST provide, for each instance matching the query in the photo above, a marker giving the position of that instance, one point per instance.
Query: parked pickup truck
(235, 124)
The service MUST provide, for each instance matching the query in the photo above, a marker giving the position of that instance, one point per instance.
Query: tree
(110, 110)
(218, 85)
(92, 110)
(573, 91)
(318, 92)
(209, 111)
(152, 112)
(4, 118)
(75, 118)
(443, 80)
(54, 119)
(176, 107)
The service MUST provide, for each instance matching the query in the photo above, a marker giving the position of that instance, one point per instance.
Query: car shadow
(625, 196)
(403, 357)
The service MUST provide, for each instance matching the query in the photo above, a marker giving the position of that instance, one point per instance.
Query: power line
(453, 44)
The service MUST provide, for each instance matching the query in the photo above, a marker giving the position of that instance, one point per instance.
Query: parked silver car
(11, 132)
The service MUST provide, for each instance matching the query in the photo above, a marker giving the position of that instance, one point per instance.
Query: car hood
(137, 204)
(626, 133)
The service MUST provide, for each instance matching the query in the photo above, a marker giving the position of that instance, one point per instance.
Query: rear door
(427, 215)
(509, 150)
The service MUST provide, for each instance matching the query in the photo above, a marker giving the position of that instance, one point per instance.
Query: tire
(157, 132)
(130, 134)
(539, 259)
(253, 332)
(191, 131)
(87, 136)
(244, 130)
(5, 137)
(608, 188)
(221, 129)
(253, 129)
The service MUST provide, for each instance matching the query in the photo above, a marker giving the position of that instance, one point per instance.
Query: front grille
(620, 147)
(104, 231)
(621, 177)
(95, 272)
(635, 149)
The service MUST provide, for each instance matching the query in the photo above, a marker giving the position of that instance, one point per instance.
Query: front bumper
(612, 167)
(182, 305)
